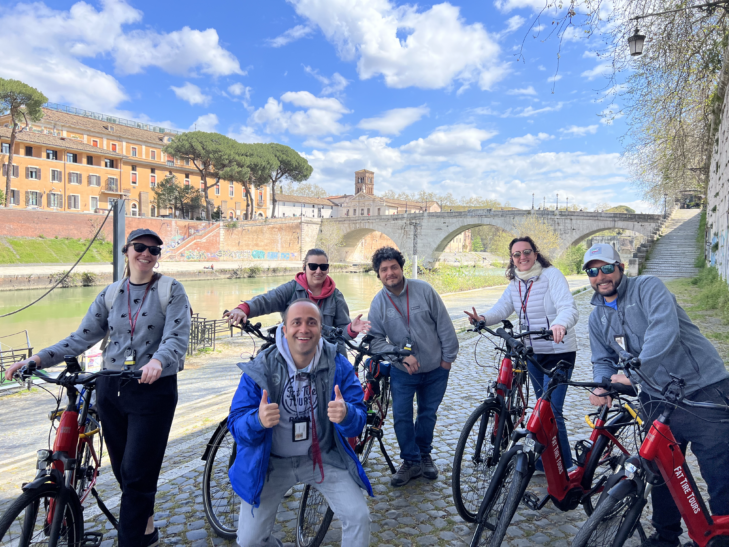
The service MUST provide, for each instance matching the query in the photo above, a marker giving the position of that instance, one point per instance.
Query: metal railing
(110, 119)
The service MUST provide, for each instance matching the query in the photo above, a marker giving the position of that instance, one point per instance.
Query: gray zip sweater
(657, 330)
(156, 335)
(430, 330)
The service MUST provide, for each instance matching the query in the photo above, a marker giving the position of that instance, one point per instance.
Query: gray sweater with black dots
(156, 335)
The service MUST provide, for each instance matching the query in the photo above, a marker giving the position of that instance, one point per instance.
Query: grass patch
(446, 279)
(700, 242)
(713, 293)
(52, 251)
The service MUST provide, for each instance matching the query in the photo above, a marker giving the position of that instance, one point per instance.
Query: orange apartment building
(81, 161)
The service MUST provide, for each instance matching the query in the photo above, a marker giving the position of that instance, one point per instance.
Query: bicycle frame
(661, 448)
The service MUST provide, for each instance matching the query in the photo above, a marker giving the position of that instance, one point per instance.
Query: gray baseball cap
(601, 251)
(139, 232)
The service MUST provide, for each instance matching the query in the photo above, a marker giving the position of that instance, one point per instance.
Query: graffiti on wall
(193, 256)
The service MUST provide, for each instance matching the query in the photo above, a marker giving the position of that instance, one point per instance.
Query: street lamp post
(532, 201)
(665, 205)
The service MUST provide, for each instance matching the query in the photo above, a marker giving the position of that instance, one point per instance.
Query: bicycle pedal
(533, 502)
(91, 539)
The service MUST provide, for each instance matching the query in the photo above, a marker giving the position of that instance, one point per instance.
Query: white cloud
(512, 24)
(555, 78)
(291, 35)
(333, 85)
(542, 67)
(321, 116)
(610, 114)
(599, 70)
(523, 91)
(431, 49)
(578, 131)
(509, 5)
(392, 122)
(46, 48)
(206, 122)
(448, 140)
(238, 89)
(244, 133)
(191, 94)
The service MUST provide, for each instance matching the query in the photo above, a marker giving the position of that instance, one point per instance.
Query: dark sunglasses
(606, 269)
(527, 252)
(154, 250)
(313, 266)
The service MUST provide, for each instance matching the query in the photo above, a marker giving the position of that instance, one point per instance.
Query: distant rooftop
(110, 119)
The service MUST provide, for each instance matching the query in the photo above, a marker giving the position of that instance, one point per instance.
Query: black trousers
(136, 420)
(709, 440)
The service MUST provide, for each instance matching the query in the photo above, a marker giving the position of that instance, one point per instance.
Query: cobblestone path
(421, 513)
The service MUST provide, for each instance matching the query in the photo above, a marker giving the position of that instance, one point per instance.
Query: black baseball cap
(143, 232)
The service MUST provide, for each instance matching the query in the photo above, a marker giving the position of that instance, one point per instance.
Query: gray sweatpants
(341, 492)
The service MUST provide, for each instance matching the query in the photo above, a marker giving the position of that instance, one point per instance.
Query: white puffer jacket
(550, 302)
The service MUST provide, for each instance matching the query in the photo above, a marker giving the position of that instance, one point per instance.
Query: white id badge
(620, 341)
(301, 429)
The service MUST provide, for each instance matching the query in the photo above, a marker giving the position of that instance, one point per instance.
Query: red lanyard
(133, 324)
(525, 301)
(407, 295)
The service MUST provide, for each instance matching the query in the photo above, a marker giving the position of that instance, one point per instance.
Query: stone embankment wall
(717, 210)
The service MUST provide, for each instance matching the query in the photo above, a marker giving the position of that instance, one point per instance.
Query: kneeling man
(296, 404)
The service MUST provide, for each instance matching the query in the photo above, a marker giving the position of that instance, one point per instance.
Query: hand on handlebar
(474, 317)
(151, 372)
(236, 317)
(411, 364)
(597, 400)
(12, 369)
(558, 333)
(620, 379)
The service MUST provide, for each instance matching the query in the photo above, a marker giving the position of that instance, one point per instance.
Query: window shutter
(27, 172)
(5, 169)
(48, 198)
(38, 173)
(27, 198)
(16, 171)
(70, 201)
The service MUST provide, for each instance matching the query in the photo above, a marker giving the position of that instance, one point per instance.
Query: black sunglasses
(154, 250)
(313, 266)
(606, 269)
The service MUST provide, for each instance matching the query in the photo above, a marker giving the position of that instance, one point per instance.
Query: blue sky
(429, 95)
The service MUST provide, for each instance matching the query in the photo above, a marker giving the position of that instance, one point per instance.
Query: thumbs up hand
(337, 409)
(268, 413)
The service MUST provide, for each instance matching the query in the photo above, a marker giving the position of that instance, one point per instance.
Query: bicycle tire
(513, 498)
(220, 502)
(493, 501)
(28, 515)
(467, 486)
(606, 522)
(312, 522)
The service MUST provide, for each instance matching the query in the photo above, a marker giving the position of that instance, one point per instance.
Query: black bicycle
(485, 435)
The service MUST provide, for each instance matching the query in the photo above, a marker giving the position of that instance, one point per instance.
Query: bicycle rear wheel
(610, 518)
(221, 503)
(27, 522)
(314, 518)
(473, 465)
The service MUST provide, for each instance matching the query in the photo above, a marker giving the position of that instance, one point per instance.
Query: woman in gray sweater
(147, 317)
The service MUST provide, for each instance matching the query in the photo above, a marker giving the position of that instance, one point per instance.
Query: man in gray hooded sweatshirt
(409, 314)
(641, 316)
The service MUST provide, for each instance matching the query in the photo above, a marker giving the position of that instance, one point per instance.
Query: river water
(60, 313)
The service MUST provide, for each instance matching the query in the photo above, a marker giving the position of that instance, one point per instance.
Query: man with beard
(641, 316)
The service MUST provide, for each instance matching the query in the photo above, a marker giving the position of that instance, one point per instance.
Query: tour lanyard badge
(130, 357)
(300, 431)
(408, 345)
(620, 341)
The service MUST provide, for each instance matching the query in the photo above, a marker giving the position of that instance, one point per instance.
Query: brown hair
(543, 260)
(314, 252)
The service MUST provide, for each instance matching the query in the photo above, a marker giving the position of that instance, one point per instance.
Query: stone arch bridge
(425, 235)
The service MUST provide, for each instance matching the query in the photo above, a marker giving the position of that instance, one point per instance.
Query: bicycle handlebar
(67, 379)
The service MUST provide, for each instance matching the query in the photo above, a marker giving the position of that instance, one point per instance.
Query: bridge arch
(352, 238)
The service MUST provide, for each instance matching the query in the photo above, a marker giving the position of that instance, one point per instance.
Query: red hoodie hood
(326, 291)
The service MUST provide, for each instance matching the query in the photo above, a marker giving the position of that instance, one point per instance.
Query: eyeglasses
(606, 269)
(313, 266)
(526, 252)
(154, 250)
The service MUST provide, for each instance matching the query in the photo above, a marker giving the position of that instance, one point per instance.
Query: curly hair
(543, 260)
(386, 253)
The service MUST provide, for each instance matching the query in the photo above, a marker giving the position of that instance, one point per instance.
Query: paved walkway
(674, 254)
(421, 513)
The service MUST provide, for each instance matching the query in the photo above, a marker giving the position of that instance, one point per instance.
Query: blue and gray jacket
(656, 329)
(269, 371)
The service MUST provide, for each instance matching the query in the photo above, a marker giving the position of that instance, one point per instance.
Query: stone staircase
(674, 254)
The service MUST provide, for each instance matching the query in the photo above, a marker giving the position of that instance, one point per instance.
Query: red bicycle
(617, 516)
(567, 489)
(50, 509)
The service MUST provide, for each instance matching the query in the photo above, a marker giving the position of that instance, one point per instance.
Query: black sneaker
(151, 540)
(408, 470)
(656, 540)
(430, 471)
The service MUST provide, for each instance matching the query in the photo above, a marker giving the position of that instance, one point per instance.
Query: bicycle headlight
(630, 470)
(44, 458)
(527, 444)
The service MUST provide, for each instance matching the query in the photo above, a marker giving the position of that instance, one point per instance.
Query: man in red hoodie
(313, 283)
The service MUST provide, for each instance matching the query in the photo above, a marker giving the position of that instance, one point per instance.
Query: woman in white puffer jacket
(540, 295)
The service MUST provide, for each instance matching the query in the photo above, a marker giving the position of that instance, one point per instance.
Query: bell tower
(364, 181)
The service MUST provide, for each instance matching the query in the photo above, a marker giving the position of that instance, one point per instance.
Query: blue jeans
(429, 388)
(540, 382)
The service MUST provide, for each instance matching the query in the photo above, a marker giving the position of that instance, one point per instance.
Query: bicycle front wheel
(27, 522)
(495, 499)
(473, 463)
(513, 498)
(611, 517)
(314, 518)
(221, 503)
